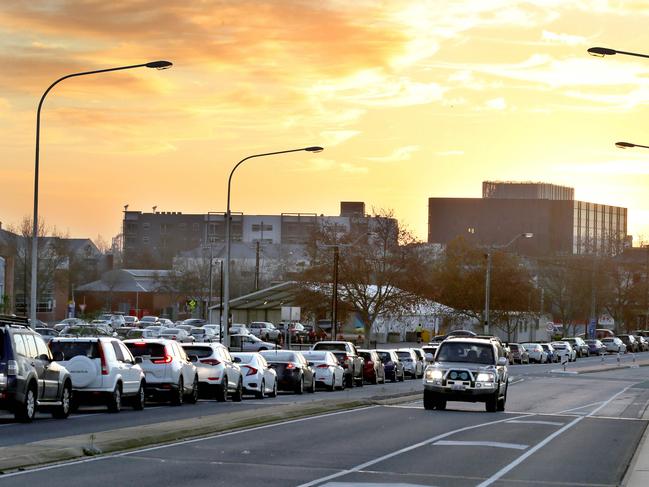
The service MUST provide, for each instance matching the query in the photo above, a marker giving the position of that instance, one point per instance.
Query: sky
(410, 99)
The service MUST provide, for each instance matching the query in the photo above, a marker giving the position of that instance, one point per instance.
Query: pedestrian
(419, 330)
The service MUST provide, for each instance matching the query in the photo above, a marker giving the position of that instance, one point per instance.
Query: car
(564, 351)
(429, 352)
(239, 329)
(580, 346)
(614, 345)
(596, 347)
(519, 354)
(374, 371)
(250, 343)
(215, 327)
(177, 334)
(99, 329)
(194, 322)
(553, 356)
(258, 377)
(347, 355)
(115, 321)
(298, 332)
(131, 320)
(467, 369)
(293, 370)
(412, 366)
(643, 343)
(536, 353)
(219, 377)
(149, 320)
(203, 335)
(169, 372)
(47, 333)
(264, 330)
(328, 371)
(167, 322)
(30, 377)
(68, 322)
(392, 365)
(630, 342)
(141, 333)
(103, 372)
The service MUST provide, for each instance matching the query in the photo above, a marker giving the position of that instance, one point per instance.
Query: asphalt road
(559, 429)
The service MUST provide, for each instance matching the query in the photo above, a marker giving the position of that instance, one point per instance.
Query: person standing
(419, 330)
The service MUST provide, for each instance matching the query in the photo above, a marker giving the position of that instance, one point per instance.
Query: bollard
(633, 357)
(618, 359)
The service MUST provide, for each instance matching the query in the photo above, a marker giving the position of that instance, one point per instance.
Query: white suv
(169, 372)
(102, 370)
(264, 330)
(218, 375)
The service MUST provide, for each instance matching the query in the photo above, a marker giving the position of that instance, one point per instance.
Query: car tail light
(322, 366)
(210, 361)
(139, 344)
(369, 362)
(102, 358)
(251, 370)
(12, 367)
(165, 360)
(290, 365)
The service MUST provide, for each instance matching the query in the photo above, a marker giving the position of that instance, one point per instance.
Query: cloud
(496, 103)
(571, 40)
(450, 153)
(336, 137)
(398, 154)
(351, 168)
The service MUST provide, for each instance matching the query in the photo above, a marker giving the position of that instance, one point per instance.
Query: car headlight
(485, 377)
(434, 374)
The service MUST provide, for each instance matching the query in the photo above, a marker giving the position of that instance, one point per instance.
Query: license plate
(458, 387)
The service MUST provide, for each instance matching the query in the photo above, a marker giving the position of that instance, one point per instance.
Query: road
(559, 429)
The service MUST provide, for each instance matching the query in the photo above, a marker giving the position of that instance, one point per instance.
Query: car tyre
(26, 411)
(299, 387)
(140, 399)
(429, 400)
(63, 411)
(115, 399)
(491, 404)
(238, 394)
(177, 393)
(192, 397)
(349, 381)
(332, 387)
(403, 377)
(359, 381)
(261, 393)
(274, 391)
(311, 389)
(501, 402)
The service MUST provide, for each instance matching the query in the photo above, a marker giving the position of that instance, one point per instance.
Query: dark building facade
(560, 224)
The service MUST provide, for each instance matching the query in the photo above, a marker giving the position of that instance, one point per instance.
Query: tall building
(152, 240)
(561, 225)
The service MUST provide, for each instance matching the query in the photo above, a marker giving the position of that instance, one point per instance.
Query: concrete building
(561, 225)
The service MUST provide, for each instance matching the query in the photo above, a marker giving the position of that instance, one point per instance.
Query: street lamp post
(488, 276)
(225, 296)
(628, 145)
(605, 51)
(34, 277)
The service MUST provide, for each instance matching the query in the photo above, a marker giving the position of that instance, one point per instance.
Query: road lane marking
(181, 442)
(581, 407)
(492, 444)
(523, 421)
(500, 473)
(380, 459)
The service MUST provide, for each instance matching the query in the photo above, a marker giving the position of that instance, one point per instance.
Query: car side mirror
(58, 356)
(138, 360)
(502, 361)
(310, 364)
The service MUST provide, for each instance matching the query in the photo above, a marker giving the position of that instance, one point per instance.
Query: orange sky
(411, 99)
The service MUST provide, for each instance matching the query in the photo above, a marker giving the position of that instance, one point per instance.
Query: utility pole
(593, 299)
(257, 266)
(334, 295)
(487, 293)
(209, 296)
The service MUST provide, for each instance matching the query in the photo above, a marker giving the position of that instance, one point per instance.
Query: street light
(34, 280)
(605, 51)
(488, 275)
(627, 145)
(225, 297)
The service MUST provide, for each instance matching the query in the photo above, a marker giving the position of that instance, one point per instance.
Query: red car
(373, 370)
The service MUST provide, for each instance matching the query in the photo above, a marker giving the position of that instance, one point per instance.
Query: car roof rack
(14, 320)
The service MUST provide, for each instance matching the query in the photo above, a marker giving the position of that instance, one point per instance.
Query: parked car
(98, 329)
(553, 356)
(67, 322)
(630, 343)
(299, 333)
(264, 330)
(239, 329)
(194, 322)
(30, 377)
(467, 369)
(596, 347)
(580, 346)
(536, 353)
(149, 320)
(392, 365)
(103, 371)
(643, 343)
(47, 333)
(293, 371)
(565, 351)
(250, 343)
(519, 354)
(373, 371)
(348, 357)
(614, 345)
(169, 372)
(114, 320)
(204, 335)
(429, 352)
(412, 366)
(214, 327)
(219, 377)
(327, 369)
(132, 321)
(177, 334)
(258, 377)
(142, 333)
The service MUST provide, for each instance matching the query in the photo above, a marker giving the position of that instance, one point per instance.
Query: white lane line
(548, 423)
(547, 440)
(581, 407)
(181, 442)
(491, 444)
(380, 459)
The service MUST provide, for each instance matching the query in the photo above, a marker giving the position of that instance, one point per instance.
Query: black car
(392, 365)
(293, 371)
(30, 379)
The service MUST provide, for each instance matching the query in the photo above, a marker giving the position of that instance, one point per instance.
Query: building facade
(561, 225)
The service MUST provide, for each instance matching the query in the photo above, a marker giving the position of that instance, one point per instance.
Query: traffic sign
(549, 327)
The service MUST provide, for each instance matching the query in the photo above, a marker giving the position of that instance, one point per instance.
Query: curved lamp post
(225, 296)
(605, 51)
(34, 278)
(627, 145)
(488, 276)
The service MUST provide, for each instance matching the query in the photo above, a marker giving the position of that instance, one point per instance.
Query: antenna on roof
(155, 208)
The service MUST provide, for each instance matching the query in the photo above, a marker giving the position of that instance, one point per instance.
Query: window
(30, 345)
(41, 348)
(146, 226)
(118, 352)
(128, 358)
(19, 345)
(262, 227)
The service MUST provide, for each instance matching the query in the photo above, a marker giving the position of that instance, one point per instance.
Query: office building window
(263, 227)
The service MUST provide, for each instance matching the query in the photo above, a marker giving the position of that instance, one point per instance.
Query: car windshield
(404, 355)
(279, 356)
(171, 331)
(314, 355)
(71, 349)
(199, 351)
(384, 356)
(477, 353)
(142, 349)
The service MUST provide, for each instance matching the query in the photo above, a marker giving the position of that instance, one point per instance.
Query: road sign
(290, 313)
(549, 327)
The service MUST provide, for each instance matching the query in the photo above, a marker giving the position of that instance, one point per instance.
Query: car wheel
(238, 394)
(222, 390)
(261, 393)
(177, 394)
(349, 381)
(375, 379)
(274, 391)
(332, 387)
(501, 402)
(26, 411)
(63, 411)
(403, 377)
(311, 389)
(299, 387)
(192, 398)
(115, 400)
(492, 403)
(140, 398)
(359, 382)
(440, 404)
(429, 400)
